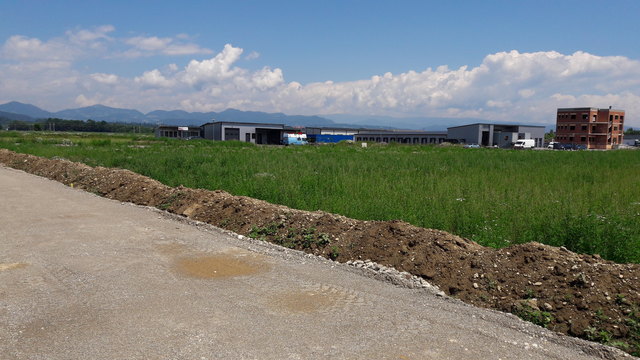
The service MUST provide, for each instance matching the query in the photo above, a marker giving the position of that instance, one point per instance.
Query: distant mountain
(102, 113)
(184, 118)
(9, 116)
(179, 117)
(24, 109)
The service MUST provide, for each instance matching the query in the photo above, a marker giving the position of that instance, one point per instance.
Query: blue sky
(494, 60)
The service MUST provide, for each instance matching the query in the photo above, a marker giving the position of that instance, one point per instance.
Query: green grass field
(588, 201)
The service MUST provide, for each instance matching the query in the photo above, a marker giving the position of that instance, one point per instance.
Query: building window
(595, 117)
(616, 117)
(573, 116)
(570, 138)
(572, 127)
(585, 116)
(621, 117)
(583, 138)
(584, 127)
(610, 117)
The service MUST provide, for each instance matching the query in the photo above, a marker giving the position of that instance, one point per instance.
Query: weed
(593, 334)
(335, 252)
(491, 284)
(261, 233)
(538, 317)
(529, 294)
(168, 202)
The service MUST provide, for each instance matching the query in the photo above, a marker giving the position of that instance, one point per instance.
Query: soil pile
(579, 295)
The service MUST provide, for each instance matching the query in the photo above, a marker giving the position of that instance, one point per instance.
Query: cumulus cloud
(504, 86)
(153, 78)
(215, 69)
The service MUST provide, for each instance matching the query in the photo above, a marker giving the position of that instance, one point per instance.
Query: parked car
(561, 146)
(551, 144)
(524, 144)
(471, 146)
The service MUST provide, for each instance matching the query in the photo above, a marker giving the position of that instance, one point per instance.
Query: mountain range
(26, 112)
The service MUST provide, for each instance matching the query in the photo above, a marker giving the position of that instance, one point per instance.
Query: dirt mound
(580, 295)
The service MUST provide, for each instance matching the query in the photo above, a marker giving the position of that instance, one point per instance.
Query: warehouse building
(500, 135)
(179, 132)
(332, 134)
(268, 134)
(403, 136)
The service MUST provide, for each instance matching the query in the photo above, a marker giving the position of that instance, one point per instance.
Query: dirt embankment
(579, 295)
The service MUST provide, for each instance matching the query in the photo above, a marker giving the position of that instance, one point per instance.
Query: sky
(500, 61)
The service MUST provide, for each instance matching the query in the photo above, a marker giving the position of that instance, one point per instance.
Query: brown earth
(579, 295)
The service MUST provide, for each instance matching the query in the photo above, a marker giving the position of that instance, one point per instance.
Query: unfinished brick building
(591, 127)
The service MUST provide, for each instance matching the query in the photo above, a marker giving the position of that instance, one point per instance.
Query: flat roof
(177, 126)
(242, 123)
(403, 132)
(516, 125)
(586, 108)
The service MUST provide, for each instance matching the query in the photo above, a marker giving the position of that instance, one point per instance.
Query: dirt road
(82, 277)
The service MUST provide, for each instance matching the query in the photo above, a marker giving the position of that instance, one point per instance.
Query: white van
(524, 144)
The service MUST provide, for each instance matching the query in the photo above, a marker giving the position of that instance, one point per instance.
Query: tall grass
(586, 201)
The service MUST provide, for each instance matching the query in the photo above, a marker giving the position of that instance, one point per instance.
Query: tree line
(55, 124)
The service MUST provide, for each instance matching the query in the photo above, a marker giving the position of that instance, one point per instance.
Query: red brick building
(591, 127)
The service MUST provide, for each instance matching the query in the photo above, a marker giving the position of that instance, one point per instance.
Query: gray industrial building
(270, 134)
(180, 132)
(501, 135)
(403, 136)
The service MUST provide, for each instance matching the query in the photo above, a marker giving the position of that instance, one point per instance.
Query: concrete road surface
(82, 277)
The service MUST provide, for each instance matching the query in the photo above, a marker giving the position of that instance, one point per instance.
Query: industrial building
(403, 136)
(591, 127)
(331, 134)
(180, 132)
(500, 135)
(269, 134)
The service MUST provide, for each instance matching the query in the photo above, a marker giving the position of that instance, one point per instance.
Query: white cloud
(152, 45)
(109, 79)
(22, 48)
(84, 35)
(505, 86)
(83, 101)
(215, 69)
(253, 55)
(153, 78)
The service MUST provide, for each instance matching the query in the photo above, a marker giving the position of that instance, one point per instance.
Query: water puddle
(305, 301)
(11, 266)
(219, 266)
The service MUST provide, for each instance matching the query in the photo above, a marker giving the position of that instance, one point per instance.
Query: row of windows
(178, 134)
(402, 140)
(592, 139)
(594, 117)
(573, 127)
